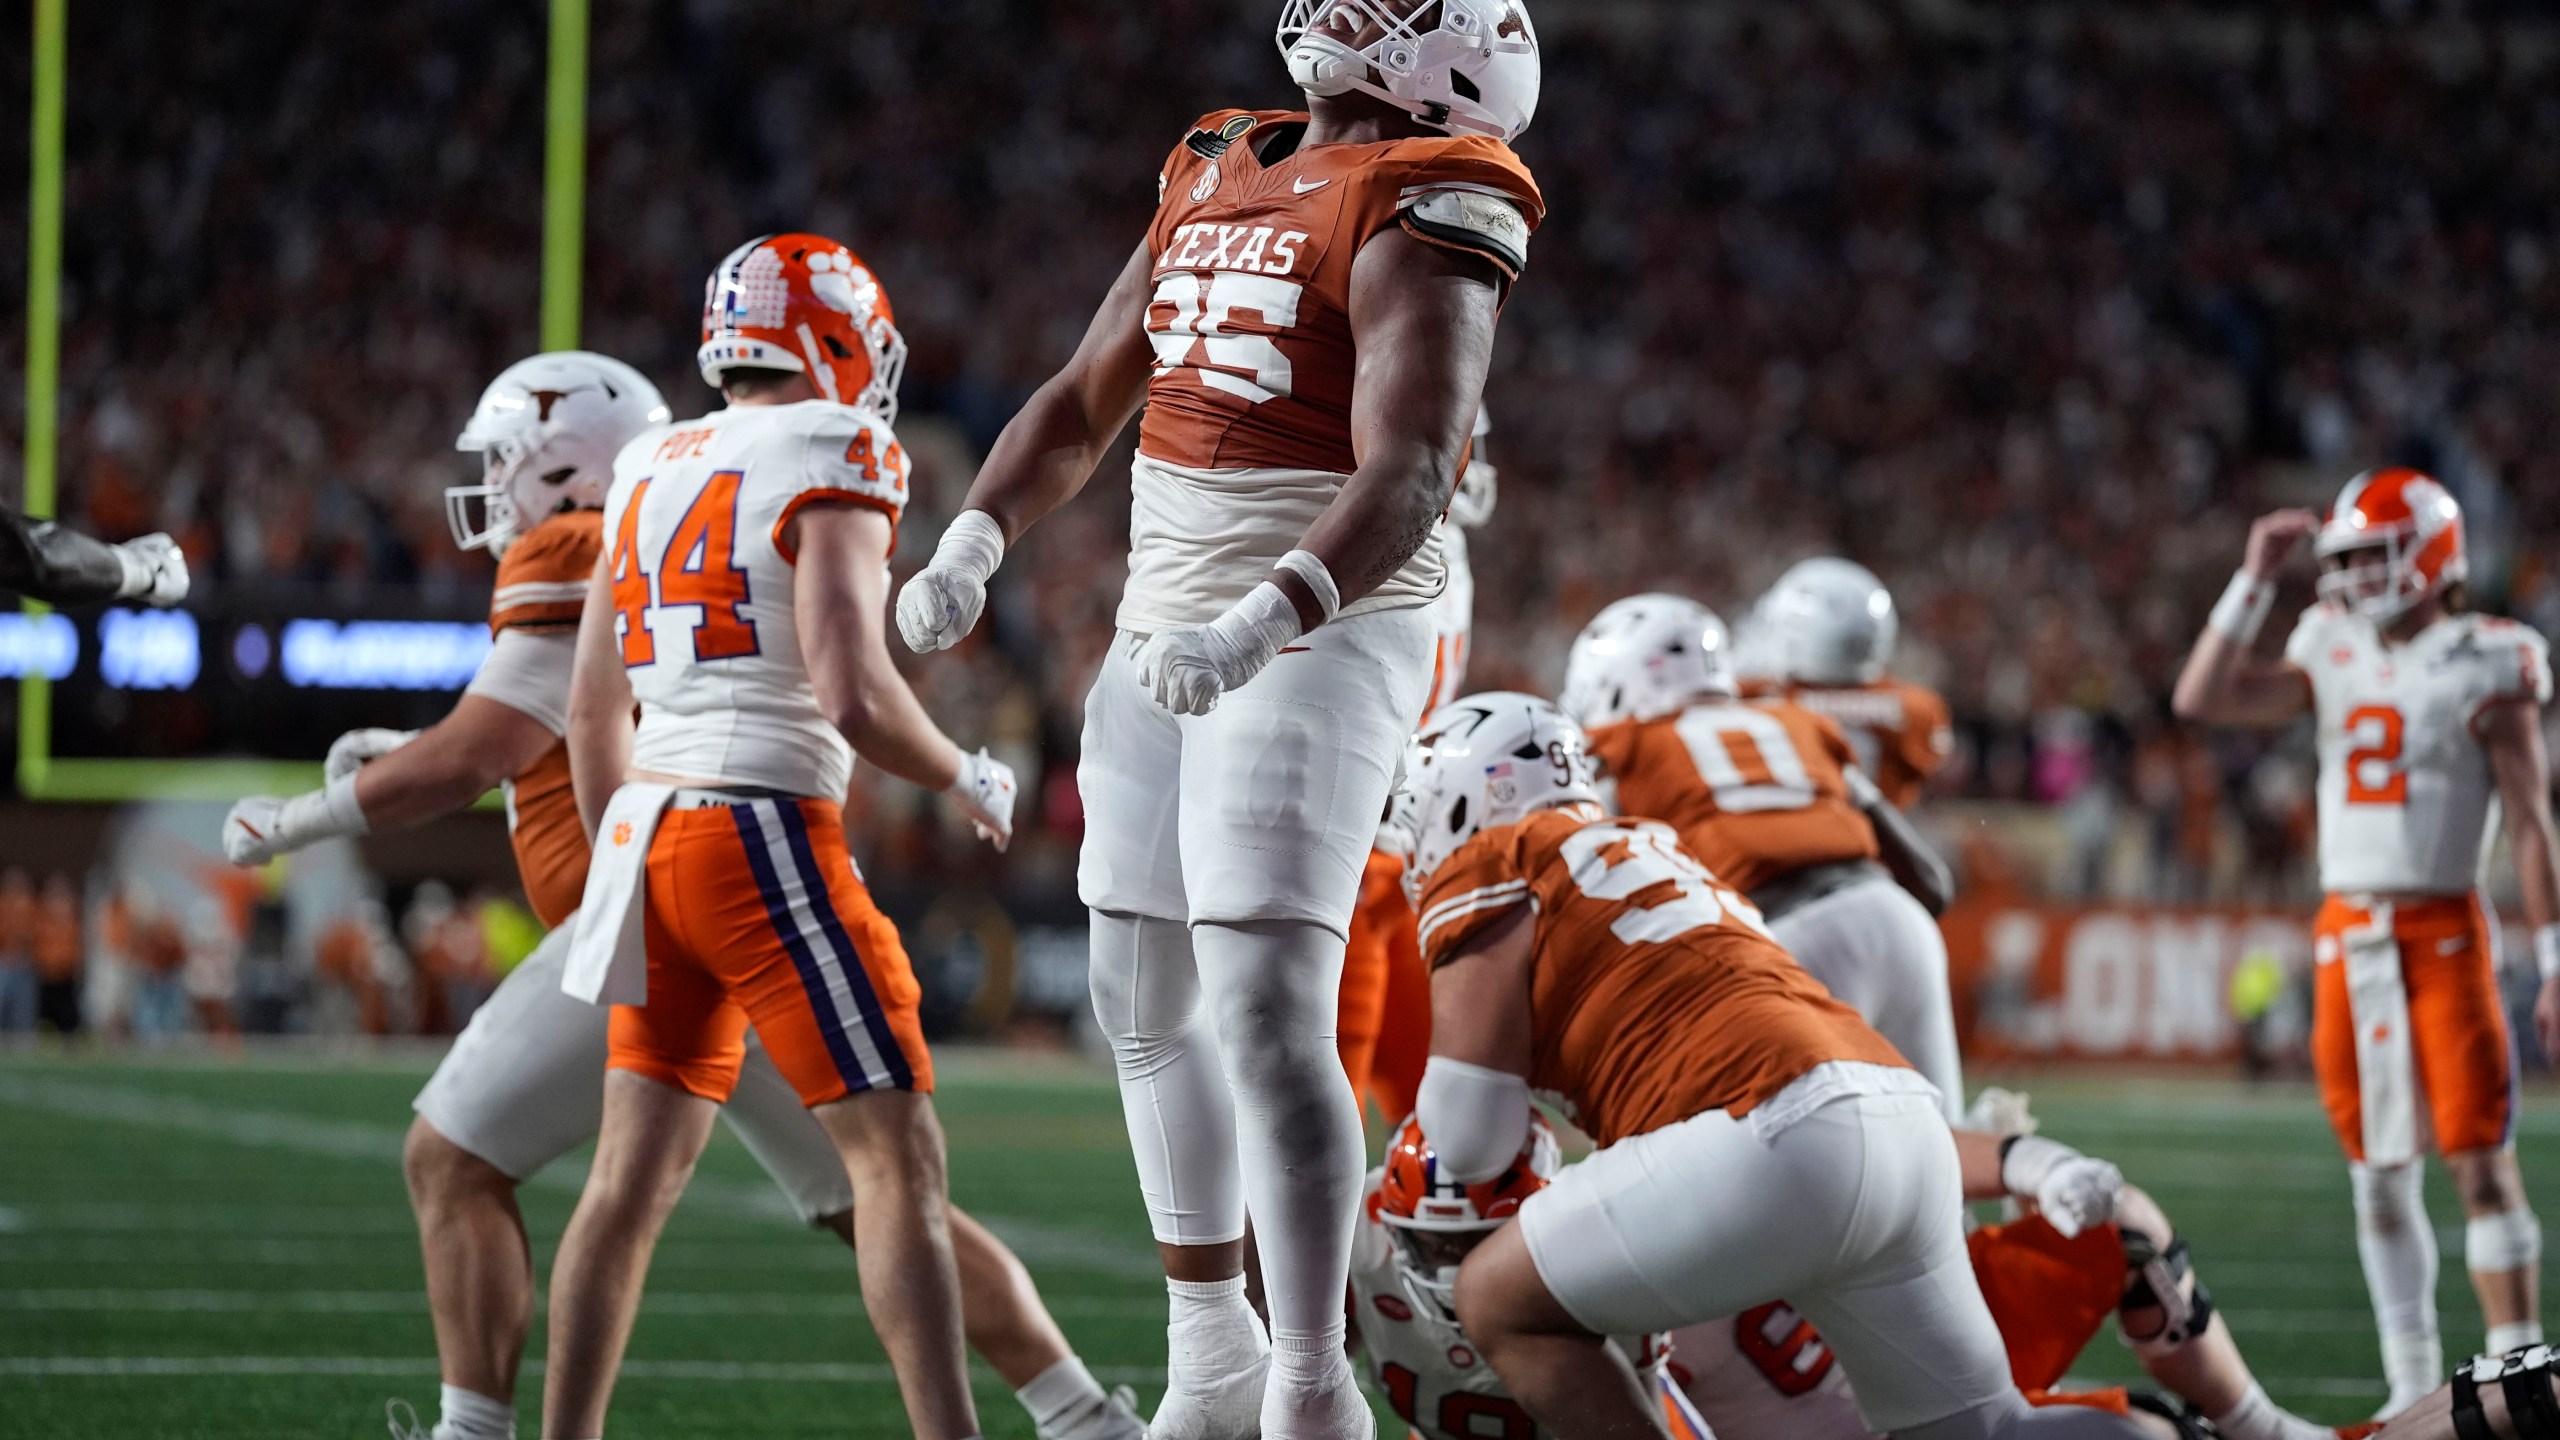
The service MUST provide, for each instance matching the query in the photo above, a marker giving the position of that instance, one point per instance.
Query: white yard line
(710, 1371)
(407, 1302)
(1036, 1243)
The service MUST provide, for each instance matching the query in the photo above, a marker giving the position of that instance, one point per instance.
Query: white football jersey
(1765, 1375)
(2406, 798)
(703, 586)
(1421, 1361)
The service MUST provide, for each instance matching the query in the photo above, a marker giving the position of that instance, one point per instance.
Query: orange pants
(2457, 1026)
(2047, 1294)
(756, 915)
(1385, 1022)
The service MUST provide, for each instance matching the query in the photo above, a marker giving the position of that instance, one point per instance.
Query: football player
(1771, 797)
(741, 605)
(2492, 1397)
(42, 561)
(1308, 322)
(1824, 634)
(524, 1083)
(1756, 1137)
(1385, 1026)
(2429, 724)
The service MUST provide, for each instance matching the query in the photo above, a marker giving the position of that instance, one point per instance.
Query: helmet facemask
(1428, 1257)
(2365, 580)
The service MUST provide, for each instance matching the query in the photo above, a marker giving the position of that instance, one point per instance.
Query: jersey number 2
(698, 568)
(2374, 776)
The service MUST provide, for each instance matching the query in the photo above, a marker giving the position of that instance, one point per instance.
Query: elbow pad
(1475, 1117)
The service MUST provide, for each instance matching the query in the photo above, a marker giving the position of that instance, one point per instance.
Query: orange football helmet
(805, 303)
(2393, 539)
(1436, 1220)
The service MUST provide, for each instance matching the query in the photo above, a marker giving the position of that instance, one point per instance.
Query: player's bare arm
(2511, 737)
(1045, 455)
(450, 764)
(600, 721)
(2225, 682)
(1916, 864)
(1474, 1100)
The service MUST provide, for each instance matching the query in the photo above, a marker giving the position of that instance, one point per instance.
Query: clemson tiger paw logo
(622, 833)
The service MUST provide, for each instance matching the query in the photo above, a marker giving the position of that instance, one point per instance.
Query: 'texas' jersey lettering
(1254, 243)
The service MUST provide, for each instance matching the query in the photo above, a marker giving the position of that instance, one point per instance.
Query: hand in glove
(262, 827)
(1188, 669)
(352, 751)
(985, 793)
(155, 570)
(2073, 1190)
(942, 603)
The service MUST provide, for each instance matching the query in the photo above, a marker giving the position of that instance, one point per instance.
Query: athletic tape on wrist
(1319, 580)
(2243, 609)
(973, 543)
(2546, 951)
(2026, 1160)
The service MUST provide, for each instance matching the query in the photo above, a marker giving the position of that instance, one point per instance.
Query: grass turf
(223, 1249)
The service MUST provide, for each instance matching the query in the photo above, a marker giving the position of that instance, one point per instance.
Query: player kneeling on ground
(524, 1084)
(1757, 1137)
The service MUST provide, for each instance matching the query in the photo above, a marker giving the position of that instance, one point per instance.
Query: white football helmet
(1484, 761)
(546, 431)
(1644, 656)
(1474, 73)
(1831, 621)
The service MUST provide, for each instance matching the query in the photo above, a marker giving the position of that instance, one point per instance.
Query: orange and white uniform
(2406, 1017)
(1757, 1138)
(750, 908)
(1760, 792)
(1245, 441)
(541, 588)
(1899, 733)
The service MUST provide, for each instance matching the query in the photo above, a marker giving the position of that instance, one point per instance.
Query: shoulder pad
(1469, 219)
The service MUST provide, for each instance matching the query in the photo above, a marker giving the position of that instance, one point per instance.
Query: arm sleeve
(528, 671)
(852, 459)
(43, 561)
(1471, 890)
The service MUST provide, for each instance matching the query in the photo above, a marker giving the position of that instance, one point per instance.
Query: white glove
(2073, 1190)
(1188, 669)
(985, 793)
(1999, 1112)
(262, 827)
(942, 603)
(155, 570)
(352, 751)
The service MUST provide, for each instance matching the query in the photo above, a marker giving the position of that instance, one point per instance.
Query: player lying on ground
(2429, 722)
(1308, 322)
(524, 1083)
(43, 561)
(1767, 793)
(1765, 1374)
(1757, 1138)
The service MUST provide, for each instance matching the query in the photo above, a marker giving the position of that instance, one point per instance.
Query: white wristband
(2243, 609)
(322, 814)
(2546, 951)
(1307, 567)
(973, 544)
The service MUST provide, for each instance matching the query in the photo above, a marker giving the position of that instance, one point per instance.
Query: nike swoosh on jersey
(1303, 188)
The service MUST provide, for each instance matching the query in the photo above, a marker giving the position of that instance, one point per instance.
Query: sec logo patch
(1393, 1308)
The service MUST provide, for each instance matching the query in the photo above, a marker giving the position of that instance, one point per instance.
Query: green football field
(223, 1248)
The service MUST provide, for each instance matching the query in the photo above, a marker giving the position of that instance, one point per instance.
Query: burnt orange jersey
(1756, 791)
(542, 585)
(1251, 316)
(1656, 994)
(1899, 732)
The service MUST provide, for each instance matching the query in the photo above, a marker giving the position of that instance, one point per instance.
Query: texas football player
(1824, 635)
(524, 1082)
(1756, 1137)
(1308, 321)
(1771, 797)
(2429, 721)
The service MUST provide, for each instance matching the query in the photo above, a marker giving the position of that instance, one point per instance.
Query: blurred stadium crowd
(2029, 308)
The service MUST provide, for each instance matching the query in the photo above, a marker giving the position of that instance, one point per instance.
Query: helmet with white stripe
(1644, 656)
(1473, 71)
(1482, 762)
(546, 431)
(1832, 622)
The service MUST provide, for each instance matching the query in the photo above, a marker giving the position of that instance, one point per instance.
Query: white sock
(2503, 1338)
(1211, 1331)
(2258, 1418)
(468, 1415)
(2398, 1248)
(1065, 1401)
(1308, 1361)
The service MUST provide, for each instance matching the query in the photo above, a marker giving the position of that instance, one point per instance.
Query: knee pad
(2163, 1280)
(2508, 1240)
(2525, 1378)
